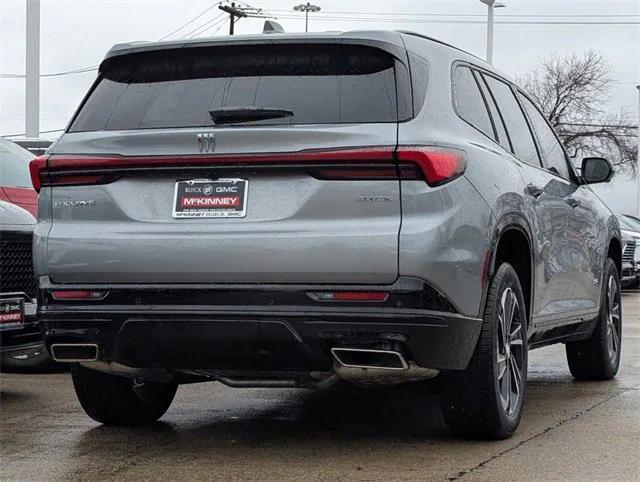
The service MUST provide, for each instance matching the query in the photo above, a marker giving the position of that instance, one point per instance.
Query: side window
(549, 145)
(498, 121)
(469, 102)
(419, 81)
(524, 147)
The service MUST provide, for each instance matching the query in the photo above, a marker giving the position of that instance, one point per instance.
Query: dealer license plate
(11, 313)
(205, 198)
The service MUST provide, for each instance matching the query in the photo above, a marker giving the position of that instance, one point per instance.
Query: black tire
(592, 359)
(114, 400)
(473, 400)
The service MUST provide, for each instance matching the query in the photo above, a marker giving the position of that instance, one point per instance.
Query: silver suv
(292, 210)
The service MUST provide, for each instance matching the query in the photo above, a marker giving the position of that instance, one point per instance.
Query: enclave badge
(206, 142)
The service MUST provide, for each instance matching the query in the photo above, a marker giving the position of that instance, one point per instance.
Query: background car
(20, 340)
(15, 181)
(631, 253)
(34, 145)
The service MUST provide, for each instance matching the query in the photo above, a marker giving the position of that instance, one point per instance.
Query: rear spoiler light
(435, 165)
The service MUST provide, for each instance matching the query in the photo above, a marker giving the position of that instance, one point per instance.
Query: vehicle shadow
(299, 432)
(404, 413)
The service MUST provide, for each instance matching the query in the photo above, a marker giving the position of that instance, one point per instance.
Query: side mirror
(596, 169)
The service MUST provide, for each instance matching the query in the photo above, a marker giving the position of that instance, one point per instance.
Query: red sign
(209, 201)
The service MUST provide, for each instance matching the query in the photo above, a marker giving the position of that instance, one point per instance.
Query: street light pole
(306, 8)
(491, 4)
(32, 77)
(638, 160)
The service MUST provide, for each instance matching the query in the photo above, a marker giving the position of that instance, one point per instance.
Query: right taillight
(438, 165)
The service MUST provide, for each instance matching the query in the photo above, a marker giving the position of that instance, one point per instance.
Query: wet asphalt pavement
(570, 430)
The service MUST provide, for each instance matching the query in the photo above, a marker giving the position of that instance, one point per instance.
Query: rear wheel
(116, 400)
(598, 358)
(485, 400)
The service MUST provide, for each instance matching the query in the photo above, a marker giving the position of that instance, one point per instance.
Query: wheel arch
(614, 251)
(513, 242)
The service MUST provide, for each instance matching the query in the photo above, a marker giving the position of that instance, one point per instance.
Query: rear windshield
(318, 84)
(14, 165)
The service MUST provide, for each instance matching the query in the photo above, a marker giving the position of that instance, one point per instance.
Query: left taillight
(36, 168)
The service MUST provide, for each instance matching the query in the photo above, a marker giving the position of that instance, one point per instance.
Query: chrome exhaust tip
(369, 358)
(74, 352)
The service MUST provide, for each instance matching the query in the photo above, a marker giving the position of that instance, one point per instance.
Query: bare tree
(572, 91)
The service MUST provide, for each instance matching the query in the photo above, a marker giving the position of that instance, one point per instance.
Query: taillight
(439, 165)
(68, 170)
(433, 164)
(371, 296)
(79, 295)
(36, 167)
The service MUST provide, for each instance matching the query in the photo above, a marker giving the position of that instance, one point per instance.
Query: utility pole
(32, 80)
(306, 8)
(491, 4)
(233, 13)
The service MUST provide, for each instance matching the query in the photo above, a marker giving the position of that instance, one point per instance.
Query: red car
(15, 181)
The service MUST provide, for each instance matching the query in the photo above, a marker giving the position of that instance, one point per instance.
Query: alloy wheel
(613, 319)
(510, 352)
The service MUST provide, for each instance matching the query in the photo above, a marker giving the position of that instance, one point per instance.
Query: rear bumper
(276, 328)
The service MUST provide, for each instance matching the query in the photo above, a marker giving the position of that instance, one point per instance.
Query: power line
(525, 15)
(203, 27)
(219, 27)
(219, 23)
(95, 67)
(190, 21)
(320, 17)
(54, 74)
(41, 132)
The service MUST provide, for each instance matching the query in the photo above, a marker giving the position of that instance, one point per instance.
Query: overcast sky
(77, 33)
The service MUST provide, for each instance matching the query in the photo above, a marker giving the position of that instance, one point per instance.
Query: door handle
(534, 191)
(573, 202)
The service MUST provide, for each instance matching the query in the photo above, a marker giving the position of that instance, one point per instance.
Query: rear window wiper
(231, 115)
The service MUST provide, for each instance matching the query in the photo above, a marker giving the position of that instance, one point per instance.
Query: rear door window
(524, 146)
(498, 122)
(318, 84)
(551, 148)
(469, 102)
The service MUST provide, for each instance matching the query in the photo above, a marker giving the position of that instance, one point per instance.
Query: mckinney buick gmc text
(291, 210)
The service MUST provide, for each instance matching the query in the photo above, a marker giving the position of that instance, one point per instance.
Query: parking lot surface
(570, 430)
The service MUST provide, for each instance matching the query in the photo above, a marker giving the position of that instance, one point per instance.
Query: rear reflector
(77, 295)
(372, 296)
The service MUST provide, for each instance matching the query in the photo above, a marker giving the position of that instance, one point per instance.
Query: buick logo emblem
(207, 190)
(206, 142)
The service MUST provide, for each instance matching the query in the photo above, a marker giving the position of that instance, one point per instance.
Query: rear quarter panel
(448, 232)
